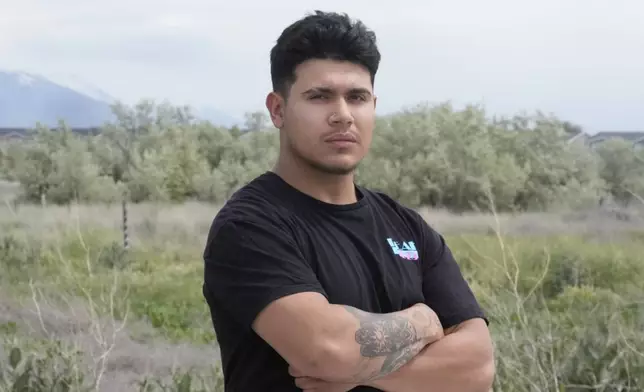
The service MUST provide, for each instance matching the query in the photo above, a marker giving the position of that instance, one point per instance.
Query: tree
(622, 170)
(255, 121)
(427, 155)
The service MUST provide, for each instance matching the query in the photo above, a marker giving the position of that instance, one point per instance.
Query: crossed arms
(404, 351)
(257, 270)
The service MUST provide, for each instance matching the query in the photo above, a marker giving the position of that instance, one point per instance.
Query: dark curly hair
(322, 35)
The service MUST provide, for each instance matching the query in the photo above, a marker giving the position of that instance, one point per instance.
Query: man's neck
(329, 188)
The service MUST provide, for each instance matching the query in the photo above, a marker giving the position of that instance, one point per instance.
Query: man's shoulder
(253, 204)
(247, 219)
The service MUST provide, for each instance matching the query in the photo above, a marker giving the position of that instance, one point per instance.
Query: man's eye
(360, 98)
(318, 96)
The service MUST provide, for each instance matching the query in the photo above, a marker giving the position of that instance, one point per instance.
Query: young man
(317, 284)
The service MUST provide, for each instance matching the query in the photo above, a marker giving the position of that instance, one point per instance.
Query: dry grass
(192, 219)
(601, 221)
(189, 222)
(8, 190)
(147, 221)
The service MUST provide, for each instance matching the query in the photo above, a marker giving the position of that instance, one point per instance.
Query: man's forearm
(379, 344)
(461, 361)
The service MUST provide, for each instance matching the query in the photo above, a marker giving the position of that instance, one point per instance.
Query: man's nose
(341, 114)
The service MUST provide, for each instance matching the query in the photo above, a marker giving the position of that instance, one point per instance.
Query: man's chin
(335, 169)
(332, 165)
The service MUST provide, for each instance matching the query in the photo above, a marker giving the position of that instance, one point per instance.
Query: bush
(52, 368)
(424, 156)
(57, 367)
(186, 381)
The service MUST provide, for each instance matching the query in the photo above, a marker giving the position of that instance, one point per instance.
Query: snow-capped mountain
(80, 85)
(26, 99)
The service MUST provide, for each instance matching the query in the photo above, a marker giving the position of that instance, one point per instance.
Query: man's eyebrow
(328, 90)
(360, 90)
(318, 90)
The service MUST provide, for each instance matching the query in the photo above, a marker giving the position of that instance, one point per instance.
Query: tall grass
(564, 293)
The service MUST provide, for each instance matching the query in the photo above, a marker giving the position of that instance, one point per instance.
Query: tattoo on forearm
(379, 337)
(392, 337)
(396, 360)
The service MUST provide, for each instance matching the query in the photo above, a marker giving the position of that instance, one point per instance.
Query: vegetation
(425, 156)
(560, 278)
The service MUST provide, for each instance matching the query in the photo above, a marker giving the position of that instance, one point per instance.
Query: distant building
(635, 137)
(12, 133)
(7, 134)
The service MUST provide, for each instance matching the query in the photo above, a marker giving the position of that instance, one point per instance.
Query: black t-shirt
(271, 240)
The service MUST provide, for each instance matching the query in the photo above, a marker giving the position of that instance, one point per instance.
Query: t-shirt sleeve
(446, 290)
(249, 264)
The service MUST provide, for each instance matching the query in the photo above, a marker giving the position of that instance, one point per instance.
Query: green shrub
(186, 381)
(53, 367)
(57, 367)
(584, 337)
(438, 156)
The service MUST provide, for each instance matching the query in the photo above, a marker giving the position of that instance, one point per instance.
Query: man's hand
(461, 361)
(310, 384)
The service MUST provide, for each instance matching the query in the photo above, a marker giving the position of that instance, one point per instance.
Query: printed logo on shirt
(406, 249)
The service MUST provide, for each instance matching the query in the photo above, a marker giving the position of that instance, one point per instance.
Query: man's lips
(342, 138)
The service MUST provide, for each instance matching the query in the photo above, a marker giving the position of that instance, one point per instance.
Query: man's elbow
(328, 360)
(482, 362)
(485, 371)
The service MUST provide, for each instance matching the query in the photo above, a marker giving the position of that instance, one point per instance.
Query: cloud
(578, 58)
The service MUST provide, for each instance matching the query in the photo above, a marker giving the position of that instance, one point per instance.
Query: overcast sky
(580, 59)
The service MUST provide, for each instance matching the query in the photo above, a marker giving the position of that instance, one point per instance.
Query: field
(564, 292)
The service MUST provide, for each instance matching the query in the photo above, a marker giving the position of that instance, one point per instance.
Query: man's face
(328, 118)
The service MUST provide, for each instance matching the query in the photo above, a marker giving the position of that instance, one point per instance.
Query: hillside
(26, 99)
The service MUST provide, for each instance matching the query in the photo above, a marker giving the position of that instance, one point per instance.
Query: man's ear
(275, 104)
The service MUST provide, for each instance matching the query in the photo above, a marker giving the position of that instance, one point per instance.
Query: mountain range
(26, 99)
